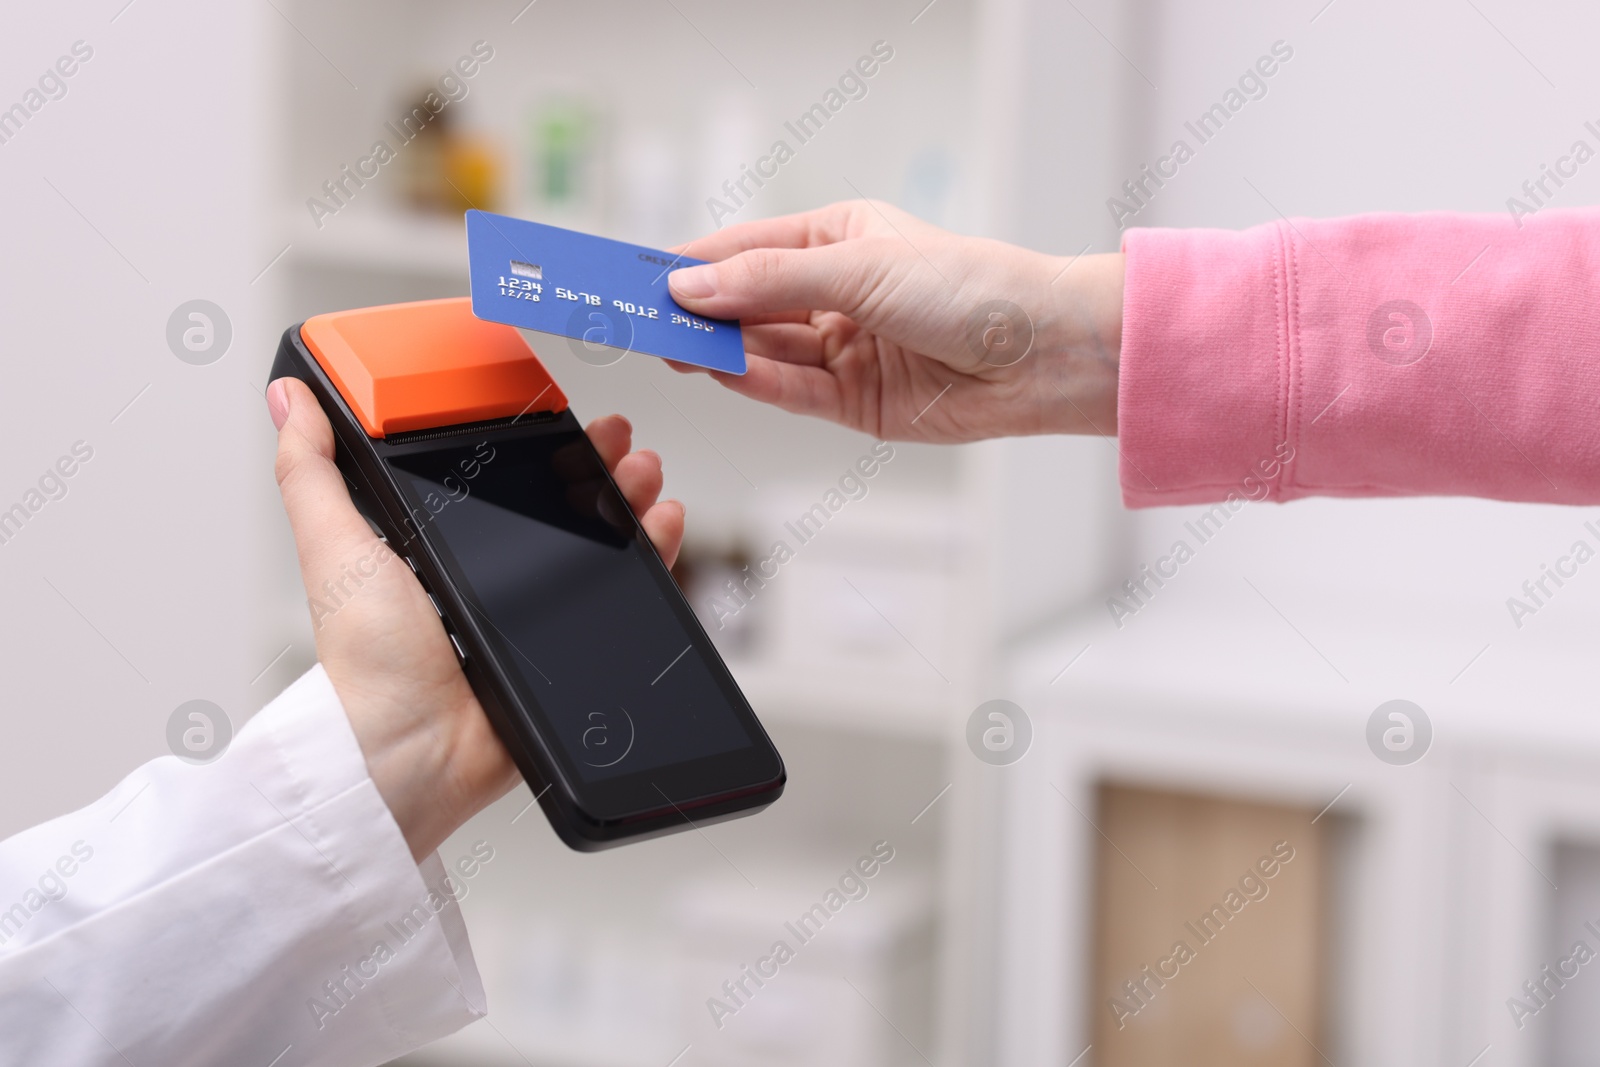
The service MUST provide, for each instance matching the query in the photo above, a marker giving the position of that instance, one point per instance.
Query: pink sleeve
(1379, 355)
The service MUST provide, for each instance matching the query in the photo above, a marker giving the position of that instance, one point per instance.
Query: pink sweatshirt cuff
(1378, 355)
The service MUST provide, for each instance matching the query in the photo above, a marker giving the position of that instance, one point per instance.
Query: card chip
(526, 270)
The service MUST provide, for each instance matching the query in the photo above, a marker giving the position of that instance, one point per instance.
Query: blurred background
(1159, 764)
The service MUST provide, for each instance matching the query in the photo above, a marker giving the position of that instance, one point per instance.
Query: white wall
(155, 554)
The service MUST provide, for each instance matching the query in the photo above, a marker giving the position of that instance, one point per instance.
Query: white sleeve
(262, 910)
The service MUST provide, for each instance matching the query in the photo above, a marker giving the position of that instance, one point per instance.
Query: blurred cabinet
(1573, 995)
(865, 654)
(1209, 921)
(873, 960)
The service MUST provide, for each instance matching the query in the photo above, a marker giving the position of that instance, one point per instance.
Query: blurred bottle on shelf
(445, 168)
(716, 583)
(566, 163)
(472, 167)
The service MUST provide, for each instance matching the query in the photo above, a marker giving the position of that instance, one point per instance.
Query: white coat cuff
(431, 986)
(231, 911)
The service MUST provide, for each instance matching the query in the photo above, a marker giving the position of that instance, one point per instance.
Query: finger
(612, 437)
(786, 342)
(801, 390)
(664, 525)
(838, 277)
(772, 317)
(789, 336)
(327, 528)
(640, 478)
(805, 229)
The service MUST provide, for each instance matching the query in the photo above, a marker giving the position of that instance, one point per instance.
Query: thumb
(837, 277)
(327, 528)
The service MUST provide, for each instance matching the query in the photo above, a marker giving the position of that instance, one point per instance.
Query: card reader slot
(528, 419)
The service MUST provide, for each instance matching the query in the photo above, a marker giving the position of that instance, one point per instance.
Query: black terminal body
(591, 666)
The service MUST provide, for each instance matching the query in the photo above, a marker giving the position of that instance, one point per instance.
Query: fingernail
(694, 282)
(278, 403)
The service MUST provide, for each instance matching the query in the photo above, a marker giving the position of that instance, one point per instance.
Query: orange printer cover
(416, 366)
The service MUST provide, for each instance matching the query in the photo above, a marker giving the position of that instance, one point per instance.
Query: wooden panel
(1208, 930)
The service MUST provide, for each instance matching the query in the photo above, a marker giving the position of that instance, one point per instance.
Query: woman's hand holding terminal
(427, 742)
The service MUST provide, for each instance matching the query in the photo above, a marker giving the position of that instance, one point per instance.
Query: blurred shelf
(1531, 701)
(383, 241)
(850, 698)
(482, 1045)
(866, 733)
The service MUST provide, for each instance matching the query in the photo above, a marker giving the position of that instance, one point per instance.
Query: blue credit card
(602, 298)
